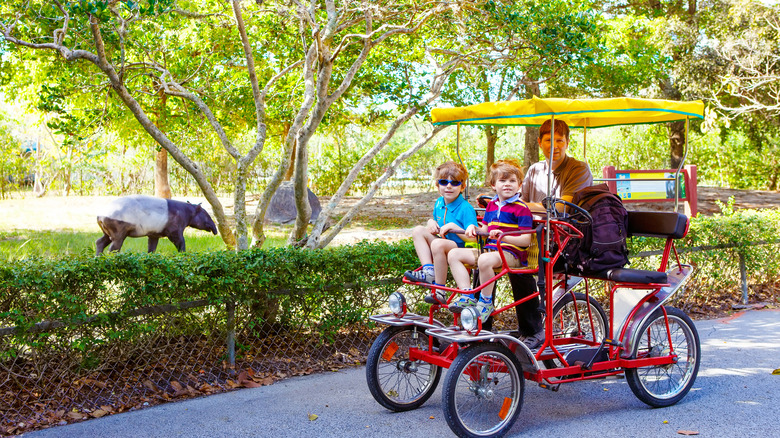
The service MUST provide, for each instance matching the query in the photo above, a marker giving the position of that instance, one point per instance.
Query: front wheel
(483, 391)
(397, 382)
(664, 385)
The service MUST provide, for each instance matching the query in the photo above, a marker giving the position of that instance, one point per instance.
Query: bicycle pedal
(553, 388)
(613, 343)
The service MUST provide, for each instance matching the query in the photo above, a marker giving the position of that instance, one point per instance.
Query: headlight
(469, 319)
(397, 303)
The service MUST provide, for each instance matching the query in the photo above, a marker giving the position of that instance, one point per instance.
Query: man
(569, 175)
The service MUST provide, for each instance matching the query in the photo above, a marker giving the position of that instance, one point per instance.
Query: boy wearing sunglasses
(452, 214)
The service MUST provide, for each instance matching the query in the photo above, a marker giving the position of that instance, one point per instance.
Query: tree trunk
(291, 167)
(676, 143)
(676, 129)
(300, 184)
(531, 154)
(491, 135)
(162, 188)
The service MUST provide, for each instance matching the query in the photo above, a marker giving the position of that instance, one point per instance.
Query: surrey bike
(656, 347)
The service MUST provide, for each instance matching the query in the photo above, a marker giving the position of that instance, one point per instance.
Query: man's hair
(451, 170)
(504, 168)
(561, 128)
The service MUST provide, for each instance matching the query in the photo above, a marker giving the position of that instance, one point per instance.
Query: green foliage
(715, 243)
(13, 166)
(316, 292)
(306, 293)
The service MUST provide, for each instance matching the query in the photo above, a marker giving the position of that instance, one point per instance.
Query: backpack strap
(588, 196)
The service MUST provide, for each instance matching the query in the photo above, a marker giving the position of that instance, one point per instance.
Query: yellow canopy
(577, 113)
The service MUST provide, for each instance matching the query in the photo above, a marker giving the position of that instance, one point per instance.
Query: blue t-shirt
(459, 212)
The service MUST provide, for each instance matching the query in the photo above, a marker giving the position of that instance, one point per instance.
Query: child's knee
(442, 245)
(488, 260)
(419, 229)
(456, 256)
(421, 233)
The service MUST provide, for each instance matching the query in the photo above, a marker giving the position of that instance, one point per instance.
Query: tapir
(140, 215)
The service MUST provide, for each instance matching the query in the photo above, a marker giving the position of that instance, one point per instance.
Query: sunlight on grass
(20, 244)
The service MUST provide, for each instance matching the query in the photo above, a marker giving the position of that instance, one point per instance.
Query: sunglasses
(444, 182)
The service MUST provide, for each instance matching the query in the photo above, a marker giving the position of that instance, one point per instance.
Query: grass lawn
(55, 227)
(20, 244)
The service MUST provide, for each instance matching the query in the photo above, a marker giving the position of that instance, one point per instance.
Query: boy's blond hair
(451, 170)
(504, 168)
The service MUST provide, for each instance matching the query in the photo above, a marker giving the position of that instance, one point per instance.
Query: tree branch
(333, 231)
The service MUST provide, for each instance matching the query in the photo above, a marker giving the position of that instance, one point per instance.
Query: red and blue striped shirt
(510, 215)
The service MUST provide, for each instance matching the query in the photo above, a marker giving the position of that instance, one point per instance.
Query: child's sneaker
(463, 301)
(421, 276)
(437, 297)
(485, 309)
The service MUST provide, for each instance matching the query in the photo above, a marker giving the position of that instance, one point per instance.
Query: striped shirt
(509, 215)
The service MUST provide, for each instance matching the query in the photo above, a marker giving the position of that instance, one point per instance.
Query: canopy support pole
(585, 144)
(550, 205)
(457, 151)
(680, 167)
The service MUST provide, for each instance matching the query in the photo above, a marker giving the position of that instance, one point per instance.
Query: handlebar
(580, 216)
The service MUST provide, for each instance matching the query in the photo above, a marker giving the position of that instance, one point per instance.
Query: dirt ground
(420, 205)
(397, 213)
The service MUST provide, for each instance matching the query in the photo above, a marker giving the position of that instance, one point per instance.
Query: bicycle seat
(628, 275)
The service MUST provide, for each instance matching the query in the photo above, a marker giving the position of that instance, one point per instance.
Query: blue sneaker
(421, 276)
(437, 297)
(463, 301)
(485, 309)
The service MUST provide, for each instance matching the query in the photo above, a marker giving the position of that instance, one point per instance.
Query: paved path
(735, 395)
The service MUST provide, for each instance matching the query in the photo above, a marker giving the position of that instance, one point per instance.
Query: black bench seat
(651, 224)
(663, 224)
(628, 275)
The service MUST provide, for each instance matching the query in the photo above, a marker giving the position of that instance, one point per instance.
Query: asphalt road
(735, 395)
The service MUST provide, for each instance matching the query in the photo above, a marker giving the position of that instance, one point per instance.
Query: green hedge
(714, 245)
(281, 286)
(315, 290)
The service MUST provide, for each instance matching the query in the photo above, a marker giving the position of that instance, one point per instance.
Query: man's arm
(538, 208)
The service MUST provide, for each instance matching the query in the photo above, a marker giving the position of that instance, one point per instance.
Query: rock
(282, 209)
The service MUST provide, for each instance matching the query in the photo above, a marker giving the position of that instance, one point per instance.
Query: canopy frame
(577, 113)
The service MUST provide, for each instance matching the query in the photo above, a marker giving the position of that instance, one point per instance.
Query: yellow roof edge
(577, 113)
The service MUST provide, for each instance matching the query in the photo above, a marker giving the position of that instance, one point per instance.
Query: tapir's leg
(152, 246)
(178, 240)
(116, 244)
(101, 243)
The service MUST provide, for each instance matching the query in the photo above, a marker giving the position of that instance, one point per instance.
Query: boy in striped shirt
(505, 212)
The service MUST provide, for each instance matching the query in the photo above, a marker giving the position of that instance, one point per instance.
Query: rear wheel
(665, 385)
(571, 319)
(483, 391)
(395, 381)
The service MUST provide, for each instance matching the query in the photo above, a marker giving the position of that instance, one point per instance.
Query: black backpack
(603, 245)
